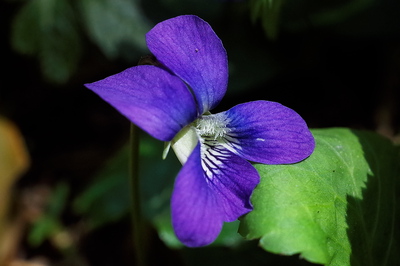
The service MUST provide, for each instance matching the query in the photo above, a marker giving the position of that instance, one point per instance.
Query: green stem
(137, 221)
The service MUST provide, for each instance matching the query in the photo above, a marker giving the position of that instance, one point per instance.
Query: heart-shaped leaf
(338, 207)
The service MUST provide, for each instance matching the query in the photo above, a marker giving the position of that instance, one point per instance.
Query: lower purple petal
(214, 186)
(232, 179)
(196, 216)
(268, 132)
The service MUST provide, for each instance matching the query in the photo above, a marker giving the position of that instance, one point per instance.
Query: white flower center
(212, 126)
(210, 129)
(216, 140)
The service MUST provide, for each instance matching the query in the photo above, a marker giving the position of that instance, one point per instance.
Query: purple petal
(189, 47)
(150, 97)
(268, 132)
(206, 196)
(232, 178)
(196, 217)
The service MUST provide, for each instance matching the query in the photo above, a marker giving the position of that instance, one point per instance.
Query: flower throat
(212, 126)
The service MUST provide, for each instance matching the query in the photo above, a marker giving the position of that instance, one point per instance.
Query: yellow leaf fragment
(14, 161)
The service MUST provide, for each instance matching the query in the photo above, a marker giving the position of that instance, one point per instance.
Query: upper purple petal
(189, 47)
(210, 191)
(268, 132)
(151, 98)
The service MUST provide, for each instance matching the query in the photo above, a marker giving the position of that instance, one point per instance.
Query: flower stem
(137, 221)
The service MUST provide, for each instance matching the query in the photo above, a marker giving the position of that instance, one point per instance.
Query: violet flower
(172, 103)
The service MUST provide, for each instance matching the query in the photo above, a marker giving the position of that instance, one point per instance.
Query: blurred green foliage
(302, 15)
(54, 30)
(49, 30)
(117, 26)
(108, 199)
(269, 12)
(50, 223)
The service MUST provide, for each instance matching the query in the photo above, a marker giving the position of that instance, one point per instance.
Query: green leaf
(309, 14)
(269, 12)
(107, 199)
(48, 29)
(43, 229)
(116, 26)
(50, 223)
(338, 207)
